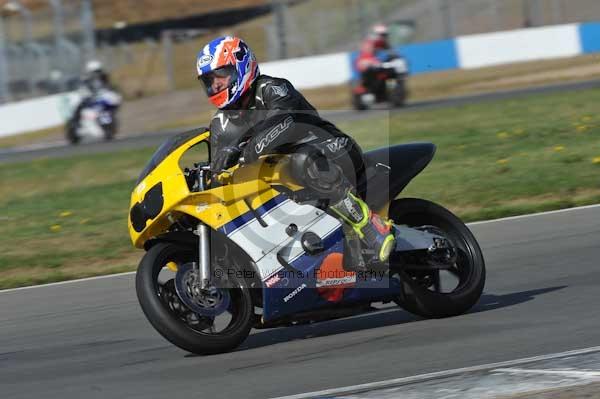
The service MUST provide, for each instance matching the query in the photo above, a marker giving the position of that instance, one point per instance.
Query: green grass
(502, 158)
(66, 218)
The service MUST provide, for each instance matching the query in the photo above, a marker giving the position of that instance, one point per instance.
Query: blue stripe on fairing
(248, 216)
(304, 262)
(589, 35)
(439, 55)
(329, 240)
(308, 298)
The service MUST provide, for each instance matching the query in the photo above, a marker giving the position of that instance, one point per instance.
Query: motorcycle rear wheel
(179, 324)
(422, 290)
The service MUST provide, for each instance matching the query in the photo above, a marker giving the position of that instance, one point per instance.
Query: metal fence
(319, 26)
(43, 50)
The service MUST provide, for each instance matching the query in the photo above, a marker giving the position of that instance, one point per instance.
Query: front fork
(203, 232)
(203, 255)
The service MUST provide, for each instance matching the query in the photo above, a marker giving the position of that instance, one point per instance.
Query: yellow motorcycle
(232, 250)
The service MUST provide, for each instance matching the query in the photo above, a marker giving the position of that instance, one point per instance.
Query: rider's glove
(226, 158)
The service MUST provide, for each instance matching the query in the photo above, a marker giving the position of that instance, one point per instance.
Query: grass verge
(66, 218)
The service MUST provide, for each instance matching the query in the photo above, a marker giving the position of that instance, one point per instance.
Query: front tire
(110, 130)
(71, 133)
(177, 323)
(422, 294)
(399, 94)
(358, 103)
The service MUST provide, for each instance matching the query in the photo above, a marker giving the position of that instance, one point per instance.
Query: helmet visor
(219, 79)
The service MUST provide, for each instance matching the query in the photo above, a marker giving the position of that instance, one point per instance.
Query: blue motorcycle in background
(95, 117)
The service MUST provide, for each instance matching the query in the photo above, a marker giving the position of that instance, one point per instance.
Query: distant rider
(272, 117)
(94, 80)
(367, 62)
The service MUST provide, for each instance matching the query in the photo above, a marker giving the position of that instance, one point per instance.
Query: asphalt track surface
(153, 139)
(89, 339)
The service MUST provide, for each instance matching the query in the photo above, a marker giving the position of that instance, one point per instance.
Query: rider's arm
(288, 120)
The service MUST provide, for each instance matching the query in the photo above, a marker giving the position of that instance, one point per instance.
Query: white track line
(564, 373)
(441, 374)
(534, 215)
(468, 224)
(81, 280)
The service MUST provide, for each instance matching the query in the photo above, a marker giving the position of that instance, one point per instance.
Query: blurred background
(508, 91)
(149, 45)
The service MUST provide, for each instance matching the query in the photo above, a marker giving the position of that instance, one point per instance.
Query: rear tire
(173, 327)
(418, 298)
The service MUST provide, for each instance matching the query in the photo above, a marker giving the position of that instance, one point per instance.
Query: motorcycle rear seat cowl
(405, 161)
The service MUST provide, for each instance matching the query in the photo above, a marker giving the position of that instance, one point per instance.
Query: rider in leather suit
(272, 117)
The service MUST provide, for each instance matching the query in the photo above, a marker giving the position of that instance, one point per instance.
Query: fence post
(532, 13)
(167, 43)
(557, 11)
(28, 41)
(87, 24)
(59, 35)
(278, 7)
(493, 11)
(4, 92)
(446, 9)
(362, 20)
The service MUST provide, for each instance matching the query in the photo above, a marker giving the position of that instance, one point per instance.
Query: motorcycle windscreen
(167, 148)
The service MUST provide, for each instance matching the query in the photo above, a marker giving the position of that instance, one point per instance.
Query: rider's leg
(325, 176)
(371, 228)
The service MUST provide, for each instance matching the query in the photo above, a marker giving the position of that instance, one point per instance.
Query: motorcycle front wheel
(445, 292)
(398, 94)
(180, 325)
(71, 133)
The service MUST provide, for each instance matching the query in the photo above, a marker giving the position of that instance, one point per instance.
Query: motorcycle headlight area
(148, 209)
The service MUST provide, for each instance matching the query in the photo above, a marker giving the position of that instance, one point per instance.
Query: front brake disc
(203, 303)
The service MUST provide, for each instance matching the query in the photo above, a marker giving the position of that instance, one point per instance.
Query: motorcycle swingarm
(418, 248)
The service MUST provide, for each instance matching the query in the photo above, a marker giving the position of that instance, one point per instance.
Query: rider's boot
(374, 232)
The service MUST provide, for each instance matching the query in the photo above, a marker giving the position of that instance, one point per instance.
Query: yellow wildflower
(502, 161)
(55, 228)
(559, 148)
(65, 214)
(596, 160)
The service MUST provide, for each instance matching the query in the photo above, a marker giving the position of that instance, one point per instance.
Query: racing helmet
(380, 35)
(380, 30)
(227, 68)
(93, 66)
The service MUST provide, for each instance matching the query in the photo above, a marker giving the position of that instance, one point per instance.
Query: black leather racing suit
(279, 120)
